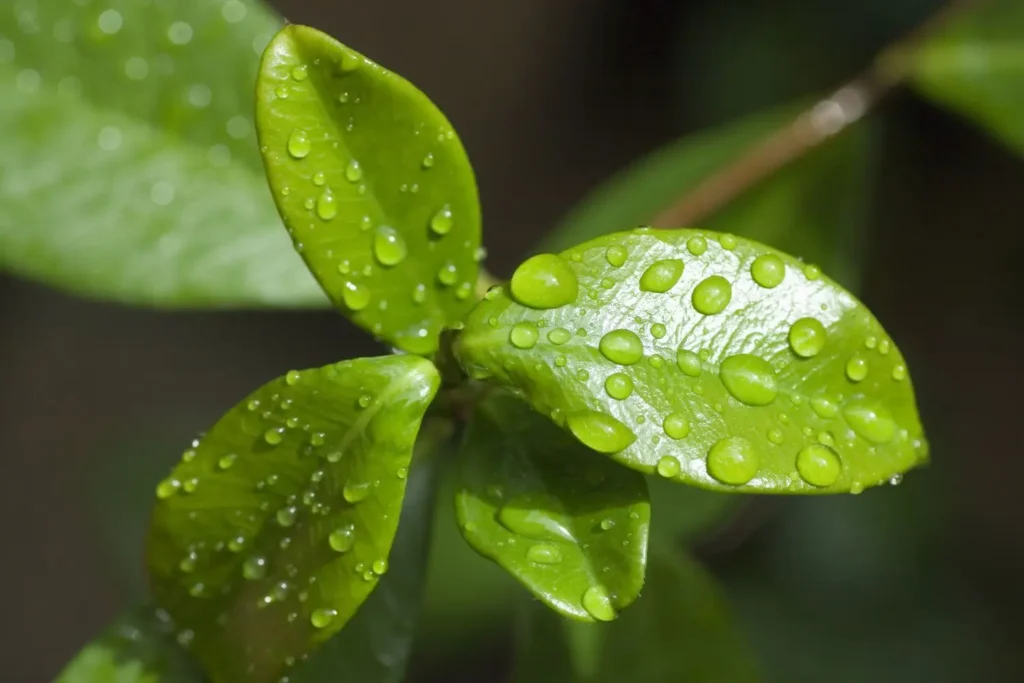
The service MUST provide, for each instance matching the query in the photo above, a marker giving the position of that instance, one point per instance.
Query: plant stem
(822, 121)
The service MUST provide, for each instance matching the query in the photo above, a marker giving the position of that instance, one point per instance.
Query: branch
(822, 121)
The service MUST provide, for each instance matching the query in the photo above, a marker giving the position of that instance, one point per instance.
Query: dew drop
(441, 222)
(531, 517)
(274, 435)
(603, 433)
(448, 274)
(188, 563)
(342, 539)
(523, 335)
(712, 295)
(355, 296)
(544, 553)
(419, 293)
(697, 245)
(286, 516)
(676, 425)
(254, 568)
(661, 276)
(768, 270)
(622, 347)
(616, 255)
(857, 368)
(733, 460)
(428, 160)
(388, 246)
(597, 603)
(824, 407)
(818, 465)
(298, 144)
(322, 617)
(544, 281)
(619, 386)
(167, 488)
(870, 420)
(899, 373)
(689, 362)
(300, 72)
(884, 346)
(775, 436)
(326, 205)
(807, 337)
(355, 492)
(812, 272)
(559, 336)
(750, 379)
(668, 467)
(379, 567)
(353, 171)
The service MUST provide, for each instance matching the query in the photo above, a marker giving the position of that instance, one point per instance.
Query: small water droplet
(899, 373)
(616, 255)
(299, 145)
(622, 347)
(254, 568)
(559, 336)
(857, 368)
(603, 433)
(818, 465)
(353, 171)
(733, 460)
(188, 563)
(697, 245)
(388, 246)
(689, 362)
(544, 553)
(712, 295)
(342, 539)
(750, 379)
(544, 281)
(274, 435)
(728, 242)
(167, 488)
(379, 567)
(598, 604)
(448, 274)
(676, 425)
(322, 617)
(661, 276)
(286, 516)
(768, 270)
(658, 331)
(812, 272)
(884, 346)
(441, 222)
(775, 436)
(668, 467)
(619, 386)
(870, 420)
(300, 72)
(428, 160)
(355, 296)
(355, 492)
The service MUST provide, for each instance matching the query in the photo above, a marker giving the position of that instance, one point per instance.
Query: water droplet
(292, 377)
(167, 488)
(857, 368)
(197, 589)
(364, 401)
(750, 379)
(326, 205)
(380, 567)
(355, 296)
(582, 375)
(544, 281)
(428, 160)
(274, 435)
(668, 467)
(619, 386)
(661, 276)
(676, 425)
(775, 436)
(342, 539)
(768, 270)
(733, 460)
(807, 337)
(812, 272)
(544, 553)
(712, 295)
(688, 362)
(188, 563)
(300, 72)
(530, 516)
(441, 222)
(899, 373)
(622, 347)
(322, 617)
(286, 515)
(448, 274)
(607, 524)
(463, 291)
(603, 433)
(190, 485)
(355, 492)
(697, 245)
(824, 407)
(353, 171)
(818, 465)
(884, 346)
(254, 568)
(597, 604)
(559, 336)
(298, 144)
(388, 246)
(870, 420)
(523, 335)
(728, 242)
(616, 255)
(236, 543)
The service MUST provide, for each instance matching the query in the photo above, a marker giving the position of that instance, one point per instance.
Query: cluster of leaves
(629, 359)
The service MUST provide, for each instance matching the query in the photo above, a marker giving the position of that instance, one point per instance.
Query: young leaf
(974, 66)
(812, 208)
(570, 525)
(277, 524)
(139, 647)
(375, 646)
(706, 358)
(679, 630)
(373, 184)
(130, 169)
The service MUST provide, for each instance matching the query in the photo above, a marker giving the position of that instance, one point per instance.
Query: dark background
(918, 583)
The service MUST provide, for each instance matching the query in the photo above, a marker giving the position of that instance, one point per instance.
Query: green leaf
(277, 524)
(707, 358)
(680, 630)
(128, 165)
(975, 66)
(813, 208)
(570, 525)
(373, 184)
(139, 647)
(375, 646)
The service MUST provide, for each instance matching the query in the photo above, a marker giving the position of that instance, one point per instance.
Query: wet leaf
(278, 523)
(706, 358)
(373, 184)
(570, 525)
(813, 208)
(975, 66)
(679, 630)
(128, 161)
(139, 647)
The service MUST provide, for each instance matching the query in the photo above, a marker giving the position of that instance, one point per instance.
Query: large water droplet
(559, 336)
(326, 205)
(544, 553)
(818, 465)
(388, 246)
(619, 386)
(254, 568)
(676, 425)
(870, 420)
(768, 270)
(441, 222)
(616, 255)
(857, 368)
(544, 281)
(603, 433)
(807, 337)
(661, 276)
(298, 144)
(622, 346)
(689, 362)
(712, 295)
(355, 296)
(523, 335)
(749, 379)
(342, 539)
(322, 617)
(733, 460)
(597, 603)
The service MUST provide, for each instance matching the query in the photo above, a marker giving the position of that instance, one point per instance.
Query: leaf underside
(278, 522)
(721, 399)
(373, 185)
(570, 525)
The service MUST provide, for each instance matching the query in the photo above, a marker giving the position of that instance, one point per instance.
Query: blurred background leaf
(128, 162)
(975, 66)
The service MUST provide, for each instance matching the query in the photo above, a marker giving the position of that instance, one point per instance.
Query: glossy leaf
(679, 630)
(277, 524)
(128, 164)
(375, 646)
(570, 525)
(373, 184)
(813, 208)
(749, 371)
(975, 66)
(139, 647)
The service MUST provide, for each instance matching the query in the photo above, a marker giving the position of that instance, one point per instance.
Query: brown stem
(823, 120)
